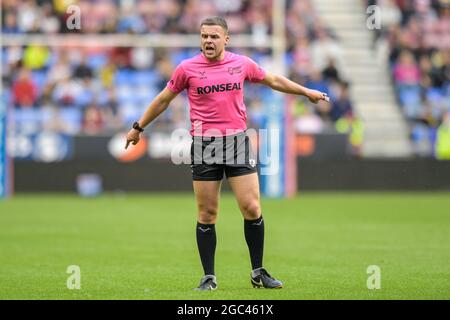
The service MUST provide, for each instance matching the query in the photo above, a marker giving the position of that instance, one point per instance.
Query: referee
(214, 80)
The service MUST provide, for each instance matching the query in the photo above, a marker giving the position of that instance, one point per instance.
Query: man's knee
(207, 215)
(251, 209)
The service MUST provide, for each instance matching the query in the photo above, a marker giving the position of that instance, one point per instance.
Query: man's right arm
(156, 107)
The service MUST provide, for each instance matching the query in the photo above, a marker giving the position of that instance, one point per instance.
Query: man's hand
(132, 136)
(315, 96)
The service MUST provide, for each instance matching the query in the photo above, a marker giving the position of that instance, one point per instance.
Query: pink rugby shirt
(216, 92)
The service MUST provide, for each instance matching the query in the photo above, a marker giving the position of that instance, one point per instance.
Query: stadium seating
(414, 33)
(125, 84)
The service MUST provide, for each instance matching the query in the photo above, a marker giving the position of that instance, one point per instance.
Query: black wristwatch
(137, 127)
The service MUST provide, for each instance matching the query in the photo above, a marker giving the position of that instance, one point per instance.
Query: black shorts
(212, 156)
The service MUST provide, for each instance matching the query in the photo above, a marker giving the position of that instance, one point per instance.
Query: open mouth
(209, 49)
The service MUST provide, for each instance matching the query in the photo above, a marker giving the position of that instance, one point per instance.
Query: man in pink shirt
(214, 80)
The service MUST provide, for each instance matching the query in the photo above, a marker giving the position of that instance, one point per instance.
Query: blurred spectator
(83, 70)
(317, 82)
(421, 137)
(66, 92)
(60, 69)
(330, 72)
(28, 16)
(61, 6)
(341, 106)
(107, 73)
(110, 110)
(35, 57)
(406, 71)
(165, 68)
(439, 68)
(10, 24)
(302, 56)
(93, 121)
(12, 62)
(306, 120)
(390, 13)
(323, 49)
(130, 20)
(352, 126)
(56, 122)
(49, 23)
(142, 58)
(443, 139)
(121, 57)
(24, 90)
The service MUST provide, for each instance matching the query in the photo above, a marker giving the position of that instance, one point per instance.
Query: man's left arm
(285, 85)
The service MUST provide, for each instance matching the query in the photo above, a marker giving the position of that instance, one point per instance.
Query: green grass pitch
(142, 246)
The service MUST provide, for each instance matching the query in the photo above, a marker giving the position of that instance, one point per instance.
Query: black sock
(254, 235)
(206, 243)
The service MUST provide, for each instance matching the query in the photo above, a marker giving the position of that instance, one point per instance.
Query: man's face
(213, 41)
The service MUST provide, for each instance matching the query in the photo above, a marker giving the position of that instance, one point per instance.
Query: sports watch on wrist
(137, 127)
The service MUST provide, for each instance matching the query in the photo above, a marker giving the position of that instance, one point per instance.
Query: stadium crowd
(418, 34)
(99, 90)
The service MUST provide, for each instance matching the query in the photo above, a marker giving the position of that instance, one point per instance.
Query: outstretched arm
(285, 85)
(156, 107)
